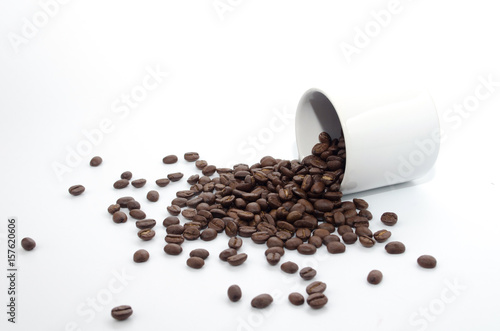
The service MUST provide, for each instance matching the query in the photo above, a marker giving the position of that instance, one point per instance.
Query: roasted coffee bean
(121, 313)
(176, 176)
(321, 233)
(283, 235)
(366, 241)
(145, 224)
(189, 213)
(289, 267)
(121, 183)
(389, 218)
(173, 249)
(317, 300)
(208, 234)
(425, 261)
(259, 237)
(191, 156)
(217, 224)
(28, 244)
(328, 239)
(174, 210)
(199, 252)
(296, 299)
(137, 214)
(119, 217)
(146, 234)
(193, 179)
(138, 183)
(76, 190)
(181, 202)
(343, 229)
(170, 159)
(262, 301)
(123, 201)
(228, 252)
(335, 247)
(162, 182)
(360, 204)
(141, 255)
(349, 238)
(324, 137)
(307, 273)
(247, 231)
(237, 259)
(195, 262)
(363, 231)
(133, 205)
(306, 249)
(316, 287)
(234, 293)
(366, 214)
(95, 161)
(303, 233)
(170, 220)
(293, 243)
(126, 175)
(275, 242)
(231, 229)
(175, 229)
(153, 196)
(235, 242)
(273, 258)
(268, 161)
(395, 247)
(374, 277)
(113, 208)
(187, 194)
(191, 233)
(278, 250)
(350, 213)
(338, 219)
(316, 241)
(200, 164)
(174, 239)
(382, 235)
(323, 205)
(209, 170)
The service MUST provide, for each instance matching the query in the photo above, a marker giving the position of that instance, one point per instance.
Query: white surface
(233, 83)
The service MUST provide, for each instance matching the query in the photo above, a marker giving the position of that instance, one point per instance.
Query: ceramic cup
(390, 139)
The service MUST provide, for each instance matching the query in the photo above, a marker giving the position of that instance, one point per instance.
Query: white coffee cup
(389, 138)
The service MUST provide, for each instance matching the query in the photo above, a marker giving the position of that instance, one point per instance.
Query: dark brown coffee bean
(290, 267)
(126, 175)
(193, 179)
(262, 301)
(274, 242)
(208, 234)
(119, 217)
(195, 262)
(121, 313)
(237, 259)
(170, 220)
(366, 241)
(382, 235)
(141, 255)
(273, 258)
(173, 249)
(200, 164)
(360, 204)
(181, 202)
(145, 224)
(153, 196)
(199, 252)
(231, 229)
(113, 208)
(121, 183)
(374, 277)
(335, 247)
(307, 273)
(303, 233)
(316, 241)
(28, 244)
(76, 190)
(138, 183)
(123, 201)
(175, 229)
(395, 247)
(259, 237)
(133, 205)
(247, 231)
(137, 214)
(296, 299)
(389, 218)
(234, 293)
(306, 249)
(228, 252)
(364, 231)
(209, 170)
(96, 161)
(338, 219)
(323, 205)
(189, 213)
(278, 250)
(317, 300)
(191, 156)
(162, 182)
(324, 137)
(174, 239)
(235, 242)
(284, 235)
(146, 234)
(176, 176)
(316, 287)
(293, 243)
(349, 238)
(217, 224)
(170, 159)
(425, 261)
(174, 210)
(191, 233)
(328, 239)
(366, 214)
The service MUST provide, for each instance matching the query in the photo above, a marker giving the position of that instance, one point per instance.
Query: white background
(229, 75)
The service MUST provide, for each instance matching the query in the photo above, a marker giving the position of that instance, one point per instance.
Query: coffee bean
(273, 258)
(162, 182)
(389, 218)
(231, 229)
(234, 293)
(425, 261)
(126, 175)
(76, 190)
(200, 164)
(170, 159)
(278, 250)
(228, 252)
(235, 242)
(193, 179)
(317, 300)
(191, 233)
(296, 299)
(123, 201)
(113, 208)
(328, 239)
(195, 262)
(173, 249)
(174, 239)
(324, 137)
(119, 217)
(145, 224)
(121, 183)
(170, 220)
(138, 183)
(121, 313)
(366, 241)
(307, 273)
(306, 249)
(360, 204)
(175, 229)
(199, 252)
(174, 210)
(237, 259)
(349, 238)
(303, 233)
(364, 231)
(259, 237)
(133, 205)
(289, 267)
(191, 156)
(293, 243)
(343, 229)
(366, 214)
(316, 287)
(374, 277)
(338, 219)
(208, 234)
(335, 247)
(146, 234)
(153, 196)
(274, 242)
(395, 247)
(141, 255)
(217, 224)
(209, 170)
(176, 176)
(137, 214)
(262, 301)
(382, 235)
(96, 161)
(28, 244)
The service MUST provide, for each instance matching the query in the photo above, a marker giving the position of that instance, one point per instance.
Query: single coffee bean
(191, 233)
(199, 252)
(366, 214)
(176, 176)
(363, 231)
(217, 224)
(174, 210)
(121, 313)
(389, 218)
(289, 267)
(209, 170)
(262, 301)
(76, 190)
(170, 220)
(145, 224)
(121, 183)
(382, 235)
(349, 238)
(228, 252)
(316, 287)
(234, 293)
(366, 241)
(275, 249)
(307, 273)
(172, 249)
(162, 182)
(208, 234)
(374, 277)
(146, 234)
(328, 239)
(133, 205)
(28, 244)
(119, 217)
(170, 159)
(191, 156)
(126, 175)
(96, 161)
(235, 242)
(335, 247)
(324, 137)
(113, 208)
(141, 255)
(174, 239)
(425, 261)
(296, 299)
(360, 204)
(259, 237)
(237, 259)
(138, 183)
(273, 258)
(153, 196)
(293, 243)
(395, 247)
(317, 300)
(137, 214)
(123, 201)
(195, 262)
(343, 229)
(175, 229)
(200, 164)
(306, 249)
(193, 179)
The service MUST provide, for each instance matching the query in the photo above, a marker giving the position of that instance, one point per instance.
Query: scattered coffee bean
(374, 277)
(174, 210)
(162, 182)
(96, 161)
(382, 235)
(175, 177)
(317, 300)
(28, 243)
(113, 208)
(289, 267)
(193, 179)
(237, 259)
(174, 239)
(349, 238)
(172, 249)
(126, 175)
(425, 261)
(119, 217)
(275, 249)
(153, 196)
(123, 201)
(360, 204)
(170, 159)
(306, 249)
(227, 253)
(146, 234)
(76, 190)
(141, 255)
(191, 156)
(307, 273)
(138, 183)
(200, 164)
(199, 252)
(209, 170)
(137, 214)
(296, 299)
(262, 301)
(170, 220)
(133, 205)
(121, 313)
(395, 247)
(389, 218)
(208, 234)
(273, 258)
(195, 262)
(235, 242)
(366, 241)
(335, 247)
(145, 224)
(234, 293)
(316, 287)
(121, 183)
